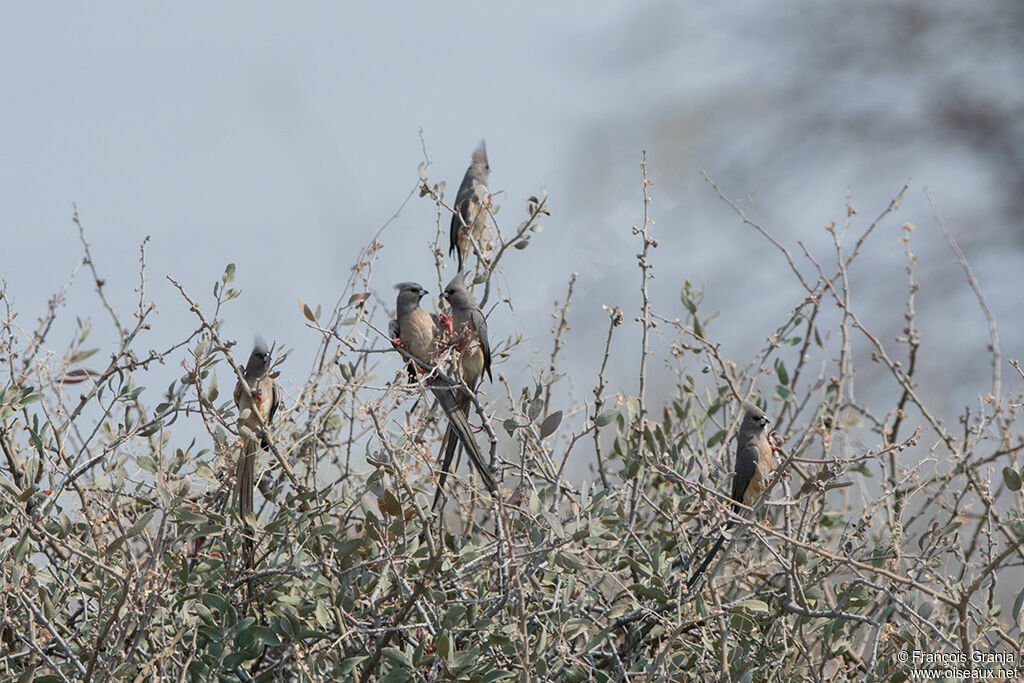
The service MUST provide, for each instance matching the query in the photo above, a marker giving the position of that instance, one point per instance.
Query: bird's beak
(763, 420)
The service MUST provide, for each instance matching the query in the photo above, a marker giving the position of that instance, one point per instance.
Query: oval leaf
(533, 411)
(550, 424)
(1011, 478)
(82, 355)
(752, 606)
(307, 311)
(358, 298)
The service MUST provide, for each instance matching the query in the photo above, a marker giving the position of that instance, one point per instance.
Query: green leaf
(780, 370)
(82, 355)
(550, 424)
(444, 645)
(605, 417)
(320, 612)
(389, 504)
(396, 676)
(307, 311)
(214, 601)
(21, 548)
(210, 530)
(576, 627)
(567, 561)
(267, 636)
(229, 274)
(752, 606)
(533, 411)
(1011, 478)
(152, 429)
(397, 656)
(140, 524)
(350, 664)
(212, 393)
(204, 613)
(651, 593)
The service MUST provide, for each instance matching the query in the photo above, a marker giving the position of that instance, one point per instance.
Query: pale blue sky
(281, 137)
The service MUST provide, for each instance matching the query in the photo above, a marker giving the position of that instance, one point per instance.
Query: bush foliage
(884, 530)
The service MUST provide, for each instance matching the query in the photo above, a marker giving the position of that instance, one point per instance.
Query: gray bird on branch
(257, 398)
(753, 465)
(471, 203)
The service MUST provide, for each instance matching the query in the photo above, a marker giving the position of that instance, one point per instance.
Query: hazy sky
(280, 137)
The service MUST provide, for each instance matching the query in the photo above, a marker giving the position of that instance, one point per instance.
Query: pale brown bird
(259, 396)
(413, 327)
(470, 210)
(753, 465)
(418, 333)
(469, 338)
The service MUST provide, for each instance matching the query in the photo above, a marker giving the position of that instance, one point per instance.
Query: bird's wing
(746, 462)
(480, 326)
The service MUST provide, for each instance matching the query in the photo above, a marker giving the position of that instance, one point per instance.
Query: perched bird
(413, 327)
(260, 396)
(753, 464)
(470, 214)
(418, 333)
(469, 338)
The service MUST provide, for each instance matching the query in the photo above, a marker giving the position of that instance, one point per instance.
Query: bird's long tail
(244, 486)
(706, 562)
(459, 431)
(449, 444)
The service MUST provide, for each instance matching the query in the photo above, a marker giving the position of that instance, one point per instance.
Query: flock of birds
(421, 337)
